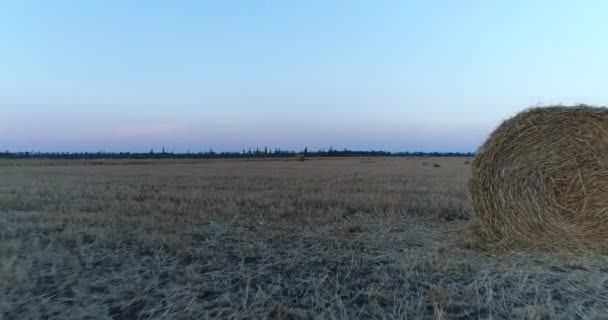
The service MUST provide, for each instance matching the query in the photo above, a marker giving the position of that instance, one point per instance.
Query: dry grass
(541, 179)
(325, 238)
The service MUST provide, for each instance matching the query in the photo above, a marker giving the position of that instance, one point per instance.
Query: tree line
(210, 153)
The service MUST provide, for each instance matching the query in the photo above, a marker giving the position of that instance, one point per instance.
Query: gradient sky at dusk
(187, 75)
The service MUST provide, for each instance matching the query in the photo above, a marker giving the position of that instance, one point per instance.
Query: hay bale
(300, 157)
(541, 179)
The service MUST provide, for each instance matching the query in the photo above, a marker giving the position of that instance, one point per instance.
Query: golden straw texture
(541, 179)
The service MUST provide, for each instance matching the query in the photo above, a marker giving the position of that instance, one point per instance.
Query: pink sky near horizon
(238, 134)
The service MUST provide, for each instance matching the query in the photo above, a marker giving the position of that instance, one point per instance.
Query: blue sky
(391, 75)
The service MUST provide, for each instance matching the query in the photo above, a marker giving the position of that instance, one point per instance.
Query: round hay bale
(541, 179)
(300, 157)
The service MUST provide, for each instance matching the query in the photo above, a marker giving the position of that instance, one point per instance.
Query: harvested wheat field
(357, 238)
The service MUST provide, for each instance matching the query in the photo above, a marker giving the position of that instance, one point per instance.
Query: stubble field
(353, 238)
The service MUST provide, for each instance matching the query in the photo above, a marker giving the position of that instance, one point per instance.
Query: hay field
(235, 239)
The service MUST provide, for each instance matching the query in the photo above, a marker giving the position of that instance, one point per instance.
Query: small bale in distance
(541, 179)
(300, 157)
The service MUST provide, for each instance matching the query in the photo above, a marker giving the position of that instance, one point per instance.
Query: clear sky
(392, 75)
